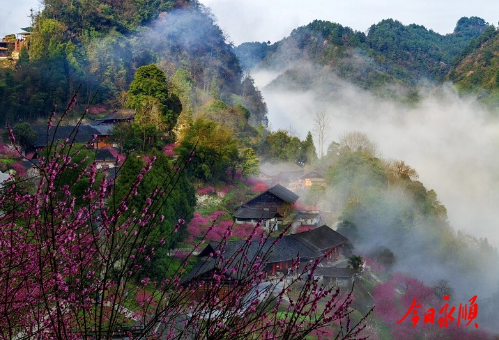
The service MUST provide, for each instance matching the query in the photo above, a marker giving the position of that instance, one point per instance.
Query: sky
(271, 20)
(264, 20)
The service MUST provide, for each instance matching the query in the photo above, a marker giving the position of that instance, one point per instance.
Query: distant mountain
(390, 60)
(477, 68)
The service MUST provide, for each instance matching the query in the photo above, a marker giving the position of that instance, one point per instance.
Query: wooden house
(277, 199)
(289, 179)
(82, 134)
(310, 218)
(105, 159)
(279, 254)
(96, 136)
(265, 178)
(10, 46)
(103, 133)
(311, 178)
(335, 277)
(115, 118)
(270, 219)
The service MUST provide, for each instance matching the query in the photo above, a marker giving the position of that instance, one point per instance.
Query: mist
(449, 140)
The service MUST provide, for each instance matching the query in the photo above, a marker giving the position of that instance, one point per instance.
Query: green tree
(309, 154)
(180, 204)
(355, 262)
(23, 133)
(149, 96)
(23, 58)
(281, 146)
(216, 149)
(250, 164)
(132, 137)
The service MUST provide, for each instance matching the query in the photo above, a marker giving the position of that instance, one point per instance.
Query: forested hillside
(97, 46)
(476, 70)
(391, 59)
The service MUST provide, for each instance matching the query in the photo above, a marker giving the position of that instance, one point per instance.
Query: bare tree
(358, 141)
(442, 288)
(320, 129)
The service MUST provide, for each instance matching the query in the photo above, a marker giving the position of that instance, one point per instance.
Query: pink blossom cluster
(75, 267)
(169, 150)
(6, 150)
(96, 109)
(19, 169)
(212, 228)
(259, 187)
(208, 190)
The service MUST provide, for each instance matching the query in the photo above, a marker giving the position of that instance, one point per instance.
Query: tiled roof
(322, 238)
(104, 155)
(83, 134)
(103, 130)
(307, 245)
(251, 213)
(116, 116)
(306, 215)
(283, 193)
(312, 174)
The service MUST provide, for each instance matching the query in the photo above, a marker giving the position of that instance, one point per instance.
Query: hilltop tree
(150, 97)
(358, 141)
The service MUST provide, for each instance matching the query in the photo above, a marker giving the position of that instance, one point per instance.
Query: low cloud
(451, 141)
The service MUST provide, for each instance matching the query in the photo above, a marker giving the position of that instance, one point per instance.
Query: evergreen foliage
(390, 60)
(149, 96)
(216, 150)
(181, 205)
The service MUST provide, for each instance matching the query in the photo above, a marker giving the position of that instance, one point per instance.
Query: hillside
(390, 60)
(100, 54)
(477, 69)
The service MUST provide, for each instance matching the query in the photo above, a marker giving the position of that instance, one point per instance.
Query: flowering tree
(71, 267)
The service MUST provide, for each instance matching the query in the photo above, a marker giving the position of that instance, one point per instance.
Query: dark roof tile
(251, 213)
(82, 134)
(306, 245)
(283, 193)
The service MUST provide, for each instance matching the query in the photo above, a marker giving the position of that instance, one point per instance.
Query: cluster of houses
(322, 243)
(272, 208)
(97, 136)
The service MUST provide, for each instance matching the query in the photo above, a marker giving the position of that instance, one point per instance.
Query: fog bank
(449, 140)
